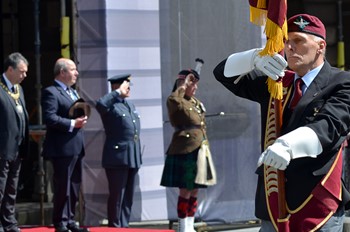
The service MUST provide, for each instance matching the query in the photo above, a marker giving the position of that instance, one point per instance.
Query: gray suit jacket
(11, 141)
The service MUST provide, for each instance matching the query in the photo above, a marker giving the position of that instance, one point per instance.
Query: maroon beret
(307, 24)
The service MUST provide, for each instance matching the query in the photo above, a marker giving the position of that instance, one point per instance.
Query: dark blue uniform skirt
(180, 171)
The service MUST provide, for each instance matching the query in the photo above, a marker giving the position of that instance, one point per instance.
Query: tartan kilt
(180, 171)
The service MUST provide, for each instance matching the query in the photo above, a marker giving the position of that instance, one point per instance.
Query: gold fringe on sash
(258, 16)
(276, 36)
(275, 41)
(275, 88)
(261, 4)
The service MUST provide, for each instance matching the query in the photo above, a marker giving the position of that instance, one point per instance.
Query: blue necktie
(71, 94)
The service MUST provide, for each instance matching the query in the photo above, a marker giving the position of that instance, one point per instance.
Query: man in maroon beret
(316, 106)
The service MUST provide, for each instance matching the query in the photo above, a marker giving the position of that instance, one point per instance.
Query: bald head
(66, 71)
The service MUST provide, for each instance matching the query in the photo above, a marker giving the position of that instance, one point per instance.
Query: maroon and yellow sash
(315, 211)
(322, 202)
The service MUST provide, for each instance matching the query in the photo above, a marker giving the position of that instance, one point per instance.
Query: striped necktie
(71, 94)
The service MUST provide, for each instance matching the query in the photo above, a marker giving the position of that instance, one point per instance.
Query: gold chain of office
(15, 95)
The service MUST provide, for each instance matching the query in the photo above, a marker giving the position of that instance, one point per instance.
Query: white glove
(301, 142)
(272, 66)
(243, 62)
(278, 155)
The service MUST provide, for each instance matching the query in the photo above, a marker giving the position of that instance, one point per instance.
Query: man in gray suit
(121, 157)
(13, 136)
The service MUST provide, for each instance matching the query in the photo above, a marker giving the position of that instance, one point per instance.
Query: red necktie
(297, 93)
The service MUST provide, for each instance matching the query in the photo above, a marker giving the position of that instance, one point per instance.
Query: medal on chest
(15, 96)
(19, 108)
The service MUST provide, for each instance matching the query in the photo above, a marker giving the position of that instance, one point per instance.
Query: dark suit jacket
(122, 127)
(324, 107)
(9, 126)
(59, 142)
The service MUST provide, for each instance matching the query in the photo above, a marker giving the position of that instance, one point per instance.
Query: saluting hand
(189, 80)
(124, 88)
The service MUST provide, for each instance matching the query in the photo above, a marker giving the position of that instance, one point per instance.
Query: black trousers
(121, 186)
(9, 175)
(67, 177)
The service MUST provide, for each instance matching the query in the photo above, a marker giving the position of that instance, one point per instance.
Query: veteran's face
(304, 52)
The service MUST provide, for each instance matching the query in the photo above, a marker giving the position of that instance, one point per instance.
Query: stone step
(34, 213)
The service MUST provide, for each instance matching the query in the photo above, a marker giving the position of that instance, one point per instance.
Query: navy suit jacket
(10, 126)
(59, 142)
(122, 127)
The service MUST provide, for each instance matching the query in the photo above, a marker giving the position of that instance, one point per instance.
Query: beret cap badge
(307, 24)
(301, 22)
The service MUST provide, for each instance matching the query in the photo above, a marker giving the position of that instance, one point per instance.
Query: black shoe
(16, 229)
(75, 228)
(61, 229)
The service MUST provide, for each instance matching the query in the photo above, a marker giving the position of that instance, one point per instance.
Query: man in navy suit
(121, 153)
(13, 137)
(64, 144)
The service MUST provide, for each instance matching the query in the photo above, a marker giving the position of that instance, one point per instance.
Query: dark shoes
(61, 229)
(75, 228)
(71, 228)
(16, 229)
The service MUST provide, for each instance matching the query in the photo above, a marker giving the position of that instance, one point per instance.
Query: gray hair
(60, 64)
(318, 39)
(14, 59)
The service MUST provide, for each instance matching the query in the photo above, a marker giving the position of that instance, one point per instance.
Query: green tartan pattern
(180, 171)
